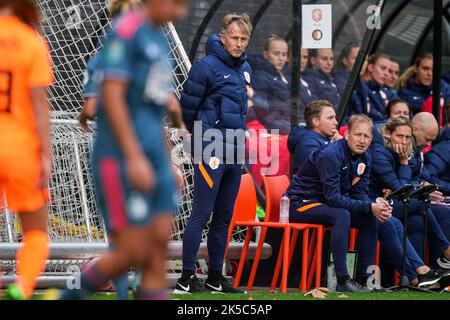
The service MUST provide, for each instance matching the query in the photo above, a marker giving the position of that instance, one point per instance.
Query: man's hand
(381, 210)
(140, 173)
(437, 196)
(336, 136)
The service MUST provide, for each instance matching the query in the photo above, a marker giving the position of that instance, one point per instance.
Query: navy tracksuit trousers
(438, 242)
(215, 192)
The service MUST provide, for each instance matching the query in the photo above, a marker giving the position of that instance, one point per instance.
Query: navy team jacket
(336, 177)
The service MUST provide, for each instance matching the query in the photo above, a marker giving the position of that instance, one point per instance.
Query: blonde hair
(359, 118)
(390, 127)
(410, 73)
(242, 20)
(272, 38)
(116, 7)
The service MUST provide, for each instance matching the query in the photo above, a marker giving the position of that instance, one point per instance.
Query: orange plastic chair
(274, 189)
(245, 215)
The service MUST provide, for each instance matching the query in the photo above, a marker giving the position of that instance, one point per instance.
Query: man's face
(359, 137)
(349, 61)
(324, 60)
(379, 71)
(401, 135)
(393, 71)
(277, 54)
(399, 109)
(425, 136)
(235, 40)
(326, 124)
(304, 55)
(424, 73)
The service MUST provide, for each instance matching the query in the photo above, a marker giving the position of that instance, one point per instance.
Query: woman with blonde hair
(390, 171)
(416, 83)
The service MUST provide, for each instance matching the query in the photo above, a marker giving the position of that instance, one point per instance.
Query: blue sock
(121, 285)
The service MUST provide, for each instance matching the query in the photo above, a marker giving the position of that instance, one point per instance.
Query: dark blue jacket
(371, 99)
(387, 173)
(333, 176)
(272, 95)
(215, 91)
(437, 162)
(416, 94)
(322, 86)
(302, 141)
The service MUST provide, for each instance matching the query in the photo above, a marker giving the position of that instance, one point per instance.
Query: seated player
(345, 65)
(391, 170)
(320, 130)
(331, 188)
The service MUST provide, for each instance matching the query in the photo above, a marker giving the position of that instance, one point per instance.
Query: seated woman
(344, 65)
(416, 83)
(371, 96)
(271, 107)
(390, 171)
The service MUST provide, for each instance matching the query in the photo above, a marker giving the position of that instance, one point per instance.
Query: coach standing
(215, 99)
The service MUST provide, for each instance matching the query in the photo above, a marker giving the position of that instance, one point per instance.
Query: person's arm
(88, 112)
(384, 171)
(195, 89)
(174, 111)
(139, 169)
(435, 165)
(41, 110)
(329, 169)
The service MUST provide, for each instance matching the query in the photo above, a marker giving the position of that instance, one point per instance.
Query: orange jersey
(24, 63)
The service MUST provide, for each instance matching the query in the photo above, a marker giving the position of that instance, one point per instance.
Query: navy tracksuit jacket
(215, 94)
(331, 188)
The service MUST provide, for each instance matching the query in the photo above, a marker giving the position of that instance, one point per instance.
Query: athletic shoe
(351, 286)
(429, 280)
(14, 292)
(191, 285)
(445, 278)
(443, 262)
(222, 286)
(381, 289)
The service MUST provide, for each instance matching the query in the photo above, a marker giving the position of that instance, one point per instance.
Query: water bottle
(284, 209)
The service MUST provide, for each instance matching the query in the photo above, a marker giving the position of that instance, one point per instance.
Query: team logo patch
(361, 169)
(247, 77)
(214, 163)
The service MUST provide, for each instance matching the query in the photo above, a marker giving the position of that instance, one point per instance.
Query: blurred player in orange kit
(25, 151)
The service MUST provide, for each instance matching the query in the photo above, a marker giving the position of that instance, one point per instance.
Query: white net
(72, 30)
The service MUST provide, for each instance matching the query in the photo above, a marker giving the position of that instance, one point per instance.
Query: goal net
(72, 30)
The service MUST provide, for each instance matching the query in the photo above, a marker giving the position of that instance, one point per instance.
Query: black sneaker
(351, 286)
(191, 285)
(445, 278)
(443, 262)
(222, 286)
(429, 280)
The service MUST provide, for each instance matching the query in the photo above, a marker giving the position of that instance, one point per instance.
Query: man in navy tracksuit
(437, 162)
(215, 97)
(320, 130)
(331, 188)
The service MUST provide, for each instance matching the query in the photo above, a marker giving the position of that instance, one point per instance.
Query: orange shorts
(19, 176)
